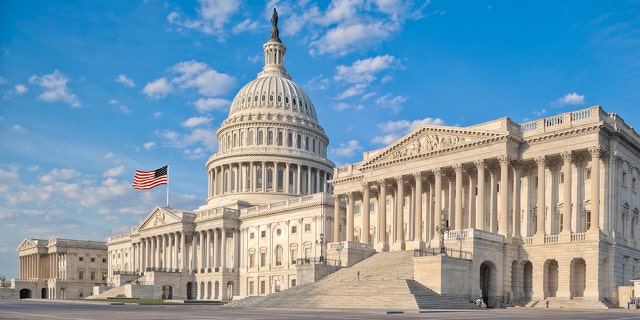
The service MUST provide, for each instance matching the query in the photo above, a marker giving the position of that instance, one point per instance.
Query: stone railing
(550, 238)
(454, 253)
(569, 119)
(578, 236)
(346, 171)
(527, 240)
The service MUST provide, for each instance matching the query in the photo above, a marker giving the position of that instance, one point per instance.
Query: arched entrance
(201, 290)
(578, 277)
(209, 289)
(230, 290)
(216, 291)
(551, 278)
(43, 293)
(527, 285)
(488, 284)
(167, 291)
(25, 294)
(190, 291)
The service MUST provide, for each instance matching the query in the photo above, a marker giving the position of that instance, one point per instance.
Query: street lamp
(322, 245)
(442, 229)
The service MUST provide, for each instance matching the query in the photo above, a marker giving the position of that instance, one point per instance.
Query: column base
(538, 239)
(419, 245)
(398, 246)
(382, 247)
(565, 236)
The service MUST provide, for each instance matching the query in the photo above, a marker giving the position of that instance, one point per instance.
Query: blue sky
(91, 91)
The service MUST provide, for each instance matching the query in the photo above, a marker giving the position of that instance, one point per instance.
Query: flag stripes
(145, 180)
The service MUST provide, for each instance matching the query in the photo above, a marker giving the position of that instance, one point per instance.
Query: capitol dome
(271, 145)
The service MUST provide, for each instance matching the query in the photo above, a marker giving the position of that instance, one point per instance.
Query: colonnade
(201, 251)
(500, 195)
(268, 176)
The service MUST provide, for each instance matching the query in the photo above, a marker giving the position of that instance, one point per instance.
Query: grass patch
(135, 300)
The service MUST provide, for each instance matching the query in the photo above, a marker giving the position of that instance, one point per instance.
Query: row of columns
(169, 252)
(38, 266)
(243, 177)
(30, 266)
(498, 209)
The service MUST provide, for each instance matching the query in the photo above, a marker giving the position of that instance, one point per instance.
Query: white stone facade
(545, 209)
(60, 268)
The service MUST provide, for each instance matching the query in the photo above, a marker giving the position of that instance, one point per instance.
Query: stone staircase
(383, 281)
(565, 303)
(111, 293)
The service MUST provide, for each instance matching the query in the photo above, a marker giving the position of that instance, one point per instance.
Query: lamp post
(442, 229)
(322, 243)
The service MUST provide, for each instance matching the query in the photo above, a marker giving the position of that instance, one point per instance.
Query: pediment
(159, 217)
(27, 244)
(428, 140)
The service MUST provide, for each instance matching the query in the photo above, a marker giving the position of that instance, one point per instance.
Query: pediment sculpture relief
(428, 143)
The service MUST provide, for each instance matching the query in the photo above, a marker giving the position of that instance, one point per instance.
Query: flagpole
(167, 185)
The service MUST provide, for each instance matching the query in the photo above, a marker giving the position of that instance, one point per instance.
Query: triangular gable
(158, 217)
(27, 244)
(429, 140)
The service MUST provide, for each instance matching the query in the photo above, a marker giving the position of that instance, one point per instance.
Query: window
(263, 234)
(588, 219)
(81, 259)
(81, 275)
(624, 178)
(307, 227)
(278, 231)
(562, 178)
(633, 184)
(252, 260)
(279, 138)
(289, 140)
(93, 259)
(93, 275)
(251, 290)
(263, 286)
(294, 229)
(251, 235)
(307, 253)
(104, 276)
(356, 209)
(260, 137)
(294, 255)
(372, 207)
(104, 260)
(587, 174)
(263, 259)
(278, 255)
(299, 142)
(306, 143)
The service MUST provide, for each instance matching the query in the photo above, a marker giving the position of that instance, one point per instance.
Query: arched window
(269, 178)
(313, 145)
(259, 178)
(278, 255)
(279, 138)
(280, 180)
(241, 138)
(250, 138)
(270, 137)
(306, 143)
(299, 142)
(235, 140)
(260, 137)
(289, 140)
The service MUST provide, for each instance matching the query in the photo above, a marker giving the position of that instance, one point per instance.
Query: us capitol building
(517, 213)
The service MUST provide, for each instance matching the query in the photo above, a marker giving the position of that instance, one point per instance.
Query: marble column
(458, 199)
(480, 198)
(567, 158)
(418, 234)
(366, 214)
(540, 214)
(595, 187)
(350, 216)
(437, 202)
(472, 198)
(399, 221)
(517, 223)
(336, 219)
(504, 195)
(493, 222)
(223, 250)
(382, 216)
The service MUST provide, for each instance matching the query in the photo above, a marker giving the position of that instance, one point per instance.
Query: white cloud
(114, 172)
(158, 88)
(56, 175)
(390, 102)
(363, 71)
(196, 121)
(149, 145)
(190, 75)
(347, 149)
(156, 115)
(123, 79)
(18, 129)
(396, 129)
(344, 39)
(354, 90)
(21, 89)
(245, 25)
(55, 88)
(569, 98)
(209, 104)
(540, 113)
(213, 15)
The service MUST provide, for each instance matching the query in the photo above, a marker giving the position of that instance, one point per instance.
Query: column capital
(418, 176)
(480, 163)
(471, 172)
(596, 151)
(517, 165)
(457, 168)
(381, 182)
(567, 156)
(541, 161)
(364, 184)
(437, 171)
(504, 159)
(399, 179)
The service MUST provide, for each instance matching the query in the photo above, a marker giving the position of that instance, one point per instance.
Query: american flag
(145, 180)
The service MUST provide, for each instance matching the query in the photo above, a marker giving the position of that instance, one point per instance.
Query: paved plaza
(39, 309)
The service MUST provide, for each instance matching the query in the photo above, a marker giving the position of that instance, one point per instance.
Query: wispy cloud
(209, 104)
(212, 17)
(55, 88)
(190, 75)
(362, 73)
(395, 129)
(21, 89)
(347, 149)
(569, 99)
(123, 79)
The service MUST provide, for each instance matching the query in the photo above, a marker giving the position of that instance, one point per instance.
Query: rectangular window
(587, 174)
(263, 259)
(372, 207)
(294, 229)
(294, 255)
(293, 282)
(251, 236)
(81, 259)
(562, 178)
(93, 259)
(263, 287)
(588, 219)
(93, 275)
(252, 260)
(263, 233)
(356, 209)
(307, 227)
(633, 184)
(624, 178)
(81, 275)
(307, 253)
(104, 260)
(251, 290)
